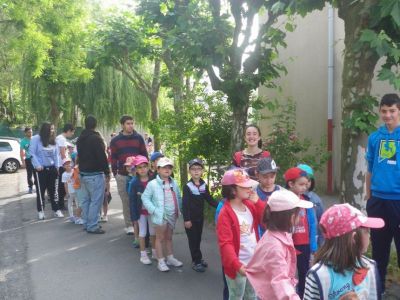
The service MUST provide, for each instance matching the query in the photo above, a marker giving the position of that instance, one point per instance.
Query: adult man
(383, 183)
(26, 157)
(94, 173)
(127, 143)
(61, 141)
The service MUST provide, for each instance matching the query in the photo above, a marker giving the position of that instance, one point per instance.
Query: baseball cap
(267, 165)
(196, 161)
(165, 161)
(65, 160)
(340, 219)
(140, 159)
(283, 199)
(307, 169)
(238, 177)
(129, 160)
(294, 173)
(156, 155)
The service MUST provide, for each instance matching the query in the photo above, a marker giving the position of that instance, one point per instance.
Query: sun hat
(165, 161)
(196, 161)
(340, 219)
(267, 165)
(156, 155)
(65, 160)
(238, 177)
(286, 200)
(307, 169)
(140, 159)
(129, 160)
(294, 173)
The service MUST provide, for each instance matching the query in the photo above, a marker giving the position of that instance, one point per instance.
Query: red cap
(294, 173)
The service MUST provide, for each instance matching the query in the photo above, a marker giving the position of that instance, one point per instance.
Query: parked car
(10, 160)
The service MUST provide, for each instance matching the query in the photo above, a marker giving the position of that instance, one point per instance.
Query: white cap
(165, 161)
(286, 200)
(65, 160)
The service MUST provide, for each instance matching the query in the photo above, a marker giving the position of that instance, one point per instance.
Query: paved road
(54, 259)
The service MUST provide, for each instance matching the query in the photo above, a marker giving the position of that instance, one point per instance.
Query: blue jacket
(135, 191)
(43, 156)
(153, 198)
(312, 228)
(383, 157)
(319, 210)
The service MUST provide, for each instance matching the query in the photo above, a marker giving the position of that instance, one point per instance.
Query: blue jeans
(92, 197)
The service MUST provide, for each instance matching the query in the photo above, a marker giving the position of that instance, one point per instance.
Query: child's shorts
(143, 221)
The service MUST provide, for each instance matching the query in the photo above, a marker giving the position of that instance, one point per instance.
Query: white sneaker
(41, 215)
(79, 221)
(103, 219)
(129, 230)
(58, 214)
(162, 266)
(172, 261)
(145, 260)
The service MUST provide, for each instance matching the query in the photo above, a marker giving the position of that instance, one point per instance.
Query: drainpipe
(331, 65)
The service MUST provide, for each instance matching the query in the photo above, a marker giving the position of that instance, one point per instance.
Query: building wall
(306, 59)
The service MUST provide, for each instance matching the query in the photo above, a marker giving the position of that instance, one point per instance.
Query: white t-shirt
(248, 241)
(61, 141)
(67, 178)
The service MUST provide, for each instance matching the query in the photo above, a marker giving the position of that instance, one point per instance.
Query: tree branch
(215, 6)
(236, 9)
(215, 81)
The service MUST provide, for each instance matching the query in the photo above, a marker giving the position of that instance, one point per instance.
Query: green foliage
(363, 116)
(286, 146)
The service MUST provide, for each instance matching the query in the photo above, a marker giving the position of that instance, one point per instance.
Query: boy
(266, 171)
(383, 183)
(195, 192)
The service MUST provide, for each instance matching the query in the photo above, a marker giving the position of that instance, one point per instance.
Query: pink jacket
(272, 269)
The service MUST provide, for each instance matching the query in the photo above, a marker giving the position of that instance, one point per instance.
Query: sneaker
(145, 260)
(172, 261)
(204, 264)
(41, 215)
(30, 191)
(79, 221)
(162, 266)
(72, 219)
(103, 219)
(129, 230)
(58, 214)
(97, 231)
(198, 268)
(136, 244)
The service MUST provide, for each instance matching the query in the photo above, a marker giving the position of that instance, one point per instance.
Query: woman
(249, 157)
(46, 163)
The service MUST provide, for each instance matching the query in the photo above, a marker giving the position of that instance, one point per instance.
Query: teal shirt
(25, 143)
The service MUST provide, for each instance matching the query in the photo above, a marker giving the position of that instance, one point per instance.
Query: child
(77, 188)
(162, 199)
(272, 270)
(237, 230)
(383, 183)
(314, 198)
(68, 182)
(154, 158)
(195, 193)
(266, 175)
(139, 215)
(340, 266)
(106, 203)
(305, 231)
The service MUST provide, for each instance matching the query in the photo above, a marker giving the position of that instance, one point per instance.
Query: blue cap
(156, 155)
(307, 169)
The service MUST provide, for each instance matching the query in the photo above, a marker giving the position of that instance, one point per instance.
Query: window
(4, 147)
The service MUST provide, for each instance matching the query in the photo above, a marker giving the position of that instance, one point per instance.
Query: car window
(4, 147)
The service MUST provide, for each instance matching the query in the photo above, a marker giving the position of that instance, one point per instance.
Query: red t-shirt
(144, 211)
(301, 234)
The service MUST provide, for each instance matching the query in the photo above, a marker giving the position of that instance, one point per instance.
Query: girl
(46, 161)
(237, 230)
(340, 266)
(162, 199)
(305, 231)
(249, 157)
(313, 197)
(272, 270)
(68, 181)
(139, 215)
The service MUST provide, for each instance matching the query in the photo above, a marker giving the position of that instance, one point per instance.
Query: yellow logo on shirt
(387, 150)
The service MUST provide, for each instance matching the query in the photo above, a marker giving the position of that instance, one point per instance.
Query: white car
(10, 160)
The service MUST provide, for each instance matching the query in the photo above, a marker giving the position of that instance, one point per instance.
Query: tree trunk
(155, 89)
(239, 120)
(358, 72)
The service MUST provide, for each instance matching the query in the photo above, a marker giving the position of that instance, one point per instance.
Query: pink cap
(344, 218)
(282, 200)
(130, 161)
(140, 159)
(238, 177)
